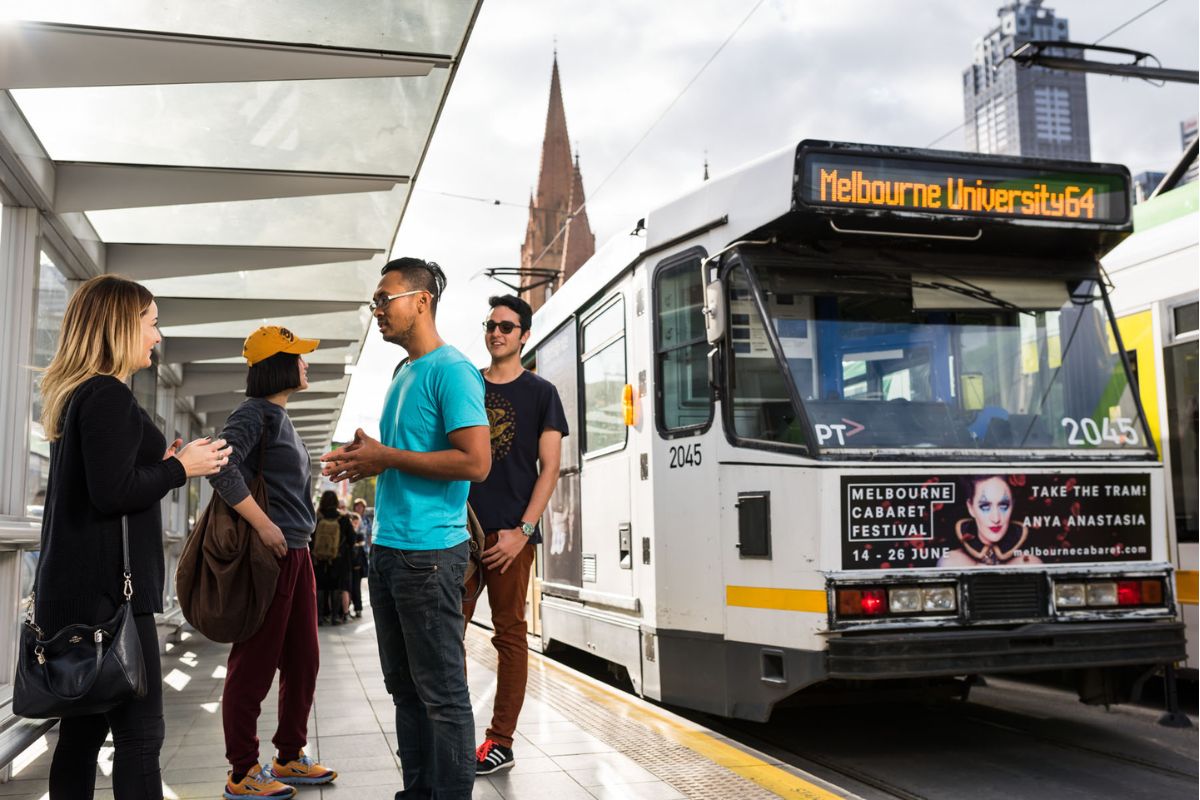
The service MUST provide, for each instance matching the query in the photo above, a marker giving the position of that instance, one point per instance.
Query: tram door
(560, 561)
(608, 553)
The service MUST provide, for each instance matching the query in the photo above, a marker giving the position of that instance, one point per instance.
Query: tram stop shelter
(249, 163)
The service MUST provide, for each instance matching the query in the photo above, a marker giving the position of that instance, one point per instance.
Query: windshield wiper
(968, 289)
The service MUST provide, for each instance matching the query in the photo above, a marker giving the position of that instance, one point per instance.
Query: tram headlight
(1070, 595)
(904, 601)
(939, 598)
(1102, 593)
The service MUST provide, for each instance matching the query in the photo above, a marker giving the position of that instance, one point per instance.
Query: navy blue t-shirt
(518, 412)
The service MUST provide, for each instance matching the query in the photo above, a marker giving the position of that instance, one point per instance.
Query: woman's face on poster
(991, 508)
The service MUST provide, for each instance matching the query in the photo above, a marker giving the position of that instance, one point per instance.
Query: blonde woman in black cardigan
(107, 460)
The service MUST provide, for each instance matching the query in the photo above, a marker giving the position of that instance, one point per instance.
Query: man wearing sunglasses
(527, 427)
(433, 443)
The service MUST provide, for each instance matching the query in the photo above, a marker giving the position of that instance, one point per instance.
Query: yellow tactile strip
(693, 761)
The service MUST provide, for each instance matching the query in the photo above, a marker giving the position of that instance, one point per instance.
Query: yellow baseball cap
(270, 340)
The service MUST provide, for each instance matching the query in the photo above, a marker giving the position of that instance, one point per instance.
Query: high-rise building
(1187, 135)
(1033, 111)
(557, 236)
(1144, 184)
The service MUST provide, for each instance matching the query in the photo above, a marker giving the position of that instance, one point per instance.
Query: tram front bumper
(1036, 646)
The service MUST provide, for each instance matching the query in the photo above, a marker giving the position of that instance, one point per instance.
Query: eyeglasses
(381, 302)
(505, 327)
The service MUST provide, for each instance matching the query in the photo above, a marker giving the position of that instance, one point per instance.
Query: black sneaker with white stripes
(491, 756)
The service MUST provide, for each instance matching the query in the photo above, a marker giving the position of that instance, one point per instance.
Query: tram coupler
(1174, 718)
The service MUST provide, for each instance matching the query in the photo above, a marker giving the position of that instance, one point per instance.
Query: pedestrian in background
(527, 425)
(332, 548)
(433, 442)
(358, 566)
(108, 461)
(368, 522)
(263, 439)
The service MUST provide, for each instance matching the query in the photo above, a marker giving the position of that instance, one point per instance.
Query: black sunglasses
(505, 327)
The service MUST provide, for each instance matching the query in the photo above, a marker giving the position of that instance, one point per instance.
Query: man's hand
(508, 546)
(272, 537)
(361, 458)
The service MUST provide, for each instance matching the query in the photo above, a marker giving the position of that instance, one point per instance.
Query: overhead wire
(666, 110)
(1036, 81)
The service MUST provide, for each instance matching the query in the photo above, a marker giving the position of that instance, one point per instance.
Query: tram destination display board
(994, 520)
(961, 188)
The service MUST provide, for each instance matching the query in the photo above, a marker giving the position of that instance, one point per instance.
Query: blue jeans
(416, 599)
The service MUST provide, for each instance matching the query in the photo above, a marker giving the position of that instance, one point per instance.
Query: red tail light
(873, 602)
(1129, 593)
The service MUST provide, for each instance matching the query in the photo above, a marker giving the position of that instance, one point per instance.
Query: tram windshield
(906, 359)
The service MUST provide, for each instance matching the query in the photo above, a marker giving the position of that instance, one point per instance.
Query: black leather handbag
(81, 669)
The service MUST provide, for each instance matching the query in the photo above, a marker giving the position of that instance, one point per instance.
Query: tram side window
(684, 400)
(603, 360)
(761, 407)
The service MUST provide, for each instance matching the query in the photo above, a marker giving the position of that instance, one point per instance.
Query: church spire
(557, 236)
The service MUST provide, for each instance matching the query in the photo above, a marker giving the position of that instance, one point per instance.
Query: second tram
(855, 413)
(1156, 297)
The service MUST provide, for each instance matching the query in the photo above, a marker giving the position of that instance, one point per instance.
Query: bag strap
(128, 589)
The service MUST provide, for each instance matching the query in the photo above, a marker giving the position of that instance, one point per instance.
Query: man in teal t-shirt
(434, 441)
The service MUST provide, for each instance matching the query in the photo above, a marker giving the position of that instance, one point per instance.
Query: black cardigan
(107, 462)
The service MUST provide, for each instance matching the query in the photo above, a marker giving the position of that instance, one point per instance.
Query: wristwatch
(527, 528)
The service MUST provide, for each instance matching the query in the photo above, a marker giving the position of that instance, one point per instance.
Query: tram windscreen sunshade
(837, 180)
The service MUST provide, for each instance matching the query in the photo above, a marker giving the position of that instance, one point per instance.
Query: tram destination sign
(840, 180)
(994, 519)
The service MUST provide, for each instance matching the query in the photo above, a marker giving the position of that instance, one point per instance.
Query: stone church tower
(548, 244)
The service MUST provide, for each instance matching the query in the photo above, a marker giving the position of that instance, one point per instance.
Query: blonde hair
(101, 334)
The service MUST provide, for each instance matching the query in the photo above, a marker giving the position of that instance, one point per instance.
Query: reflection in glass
(762, 408)
(51, 303)
(603, 387)
(1182, 376)
(683, 347)
(899, 358)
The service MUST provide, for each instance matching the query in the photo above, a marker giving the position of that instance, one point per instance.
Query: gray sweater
(287, 472)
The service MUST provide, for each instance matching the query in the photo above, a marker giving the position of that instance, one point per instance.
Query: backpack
(327, 539)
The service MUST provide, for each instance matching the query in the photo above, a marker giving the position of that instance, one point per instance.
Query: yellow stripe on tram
(1186, 584)
(770, 777)
(779, 599)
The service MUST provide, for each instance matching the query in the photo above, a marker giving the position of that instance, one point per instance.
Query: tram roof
(250, 163)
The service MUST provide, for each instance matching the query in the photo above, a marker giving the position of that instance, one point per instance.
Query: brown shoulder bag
(226, 576)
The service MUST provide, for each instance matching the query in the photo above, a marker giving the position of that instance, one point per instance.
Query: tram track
(977, 729)
(1107, 754)
(1011, 739)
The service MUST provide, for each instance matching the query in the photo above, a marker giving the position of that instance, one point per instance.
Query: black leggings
(137, 729)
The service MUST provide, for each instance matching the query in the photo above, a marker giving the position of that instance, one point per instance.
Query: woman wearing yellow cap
(287, 639)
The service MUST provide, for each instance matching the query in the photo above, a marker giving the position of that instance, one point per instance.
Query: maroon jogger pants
(287, 641)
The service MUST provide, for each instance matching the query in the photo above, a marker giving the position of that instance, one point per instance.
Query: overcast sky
(878, 71)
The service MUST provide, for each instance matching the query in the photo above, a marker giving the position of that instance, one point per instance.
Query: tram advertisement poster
(994, 519)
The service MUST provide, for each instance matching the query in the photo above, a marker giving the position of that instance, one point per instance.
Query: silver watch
(527, 529)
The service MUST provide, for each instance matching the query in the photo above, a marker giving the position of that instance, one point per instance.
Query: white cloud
(856, 70)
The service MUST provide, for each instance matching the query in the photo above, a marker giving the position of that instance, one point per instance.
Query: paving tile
(604, 769)
(637, 791)
(586, 744)
(540, 786)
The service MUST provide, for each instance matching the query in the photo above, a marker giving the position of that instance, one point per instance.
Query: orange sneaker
(301, 772)
(257, 783)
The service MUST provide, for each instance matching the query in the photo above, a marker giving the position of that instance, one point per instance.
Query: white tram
(1156, 289)
(904, 445)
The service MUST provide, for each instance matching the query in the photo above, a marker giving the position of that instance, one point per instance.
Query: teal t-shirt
(428, 399)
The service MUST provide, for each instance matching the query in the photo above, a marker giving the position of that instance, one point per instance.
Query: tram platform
(578, 739)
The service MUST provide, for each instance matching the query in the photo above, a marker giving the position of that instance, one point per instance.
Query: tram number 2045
(1086, 431)
(687, 455)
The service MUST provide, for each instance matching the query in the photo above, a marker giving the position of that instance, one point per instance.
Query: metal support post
(18, 287)
(1174, 718)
